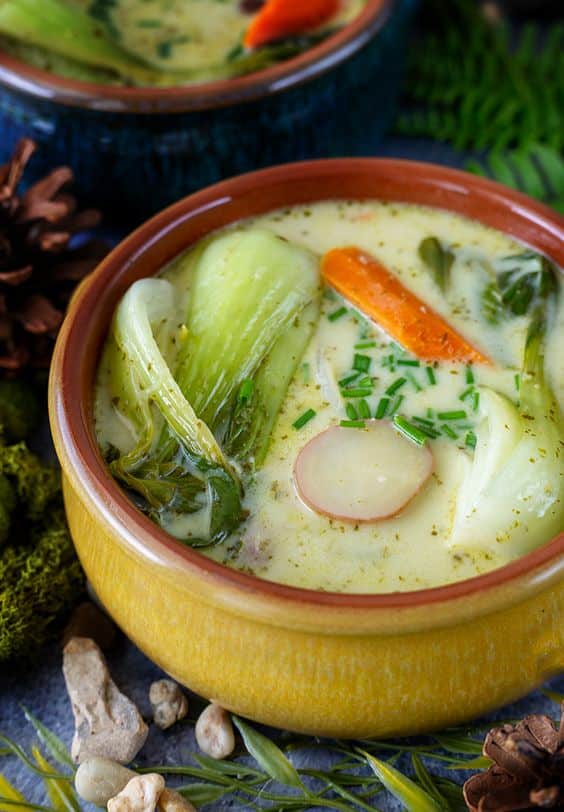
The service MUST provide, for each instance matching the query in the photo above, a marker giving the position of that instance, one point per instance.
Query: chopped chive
(304, 418)
(456, 415)
(471, 440)
(429, 412)
(356, 393)
(362, 362)
(366, 381)
(381, 408)
(448, 430)
(424, 421)
(352, 413)
(428, 430)
(349, 379)
(408, 363)
(363, 409)
(413, 381)
(396, 404)
(393, 388)
(365, 345)
(336, 314)
(466, 393)
(431, 375)
(409, 430)
(246, 390)
(390, 362)
(475, 401)
(517, 380)
(352, 424)
(469, 375)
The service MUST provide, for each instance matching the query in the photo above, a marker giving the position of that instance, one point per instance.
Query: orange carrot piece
(283, 18)
(368, 285)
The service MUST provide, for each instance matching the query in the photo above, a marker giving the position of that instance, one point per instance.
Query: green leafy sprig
(359, 773)
(483, 87)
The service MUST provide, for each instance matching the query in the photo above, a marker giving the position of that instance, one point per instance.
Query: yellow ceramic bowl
(321, 663)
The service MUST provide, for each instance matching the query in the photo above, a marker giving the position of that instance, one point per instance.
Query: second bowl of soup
(319, 429)
(148, 101)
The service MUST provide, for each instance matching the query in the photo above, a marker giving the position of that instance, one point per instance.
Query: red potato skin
(349, 519)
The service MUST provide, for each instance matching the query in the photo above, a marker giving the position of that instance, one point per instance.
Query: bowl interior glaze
(159, 240)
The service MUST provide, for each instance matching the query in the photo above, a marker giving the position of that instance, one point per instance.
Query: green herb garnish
(337, 314)
(304, 418)
(438, 258)
(458, 414)
(410, 430)
(352, 424)
(393, 388)
(382, 408)
(362, 362)
(431, 375)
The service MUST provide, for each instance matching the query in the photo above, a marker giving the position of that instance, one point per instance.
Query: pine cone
(38, 268)
(528, 769)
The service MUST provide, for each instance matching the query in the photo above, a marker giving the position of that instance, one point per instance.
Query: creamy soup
(164, 42)
(383, 469)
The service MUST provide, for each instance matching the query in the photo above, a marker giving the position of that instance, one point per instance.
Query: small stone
(168, 702)
(88, 620)
(171, 801)
(141, 794)
(107, 723)
(99, 779)
(214, 732)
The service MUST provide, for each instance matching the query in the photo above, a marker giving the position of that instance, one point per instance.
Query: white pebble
(214, 732)
(141, 794)
(99, 779)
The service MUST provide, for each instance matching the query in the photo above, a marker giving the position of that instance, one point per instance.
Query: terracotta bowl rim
(69, 421)
(17, 75)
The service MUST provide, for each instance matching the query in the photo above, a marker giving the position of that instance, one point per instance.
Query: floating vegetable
(361, 475)
(438, 258)
(282, 18)
(513, 490)
(373, 289)
(253, 306)
(521, 283)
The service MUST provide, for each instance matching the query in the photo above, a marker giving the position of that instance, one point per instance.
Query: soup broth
(352, 374)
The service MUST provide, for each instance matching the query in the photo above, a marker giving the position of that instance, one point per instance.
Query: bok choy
(253, 305)
(513, 490)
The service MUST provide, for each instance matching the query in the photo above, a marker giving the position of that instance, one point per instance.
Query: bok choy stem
(513, 491)
(253, 305)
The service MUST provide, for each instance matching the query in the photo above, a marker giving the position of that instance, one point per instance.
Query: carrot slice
(282, 18)
(368, 285)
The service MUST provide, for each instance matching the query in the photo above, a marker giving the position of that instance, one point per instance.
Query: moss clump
(40, 577)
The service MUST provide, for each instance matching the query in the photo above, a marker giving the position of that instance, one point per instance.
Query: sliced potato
(361, 475)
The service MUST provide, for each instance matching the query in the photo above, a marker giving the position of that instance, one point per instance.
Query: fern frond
(538, 171)
(482, 88)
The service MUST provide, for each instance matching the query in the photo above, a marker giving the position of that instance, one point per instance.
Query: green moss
(39, 580)
(40, 577)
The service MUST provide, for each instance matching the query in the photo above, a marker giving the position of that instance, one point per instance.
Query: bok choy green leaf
(253, 305)
(514, 486)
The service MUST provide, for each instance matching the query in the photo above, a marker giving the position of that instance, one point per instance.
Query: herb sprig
(269, 776)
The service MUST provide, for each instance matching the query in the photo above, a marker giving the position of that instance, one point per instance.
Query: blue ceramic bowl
(135, 150)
